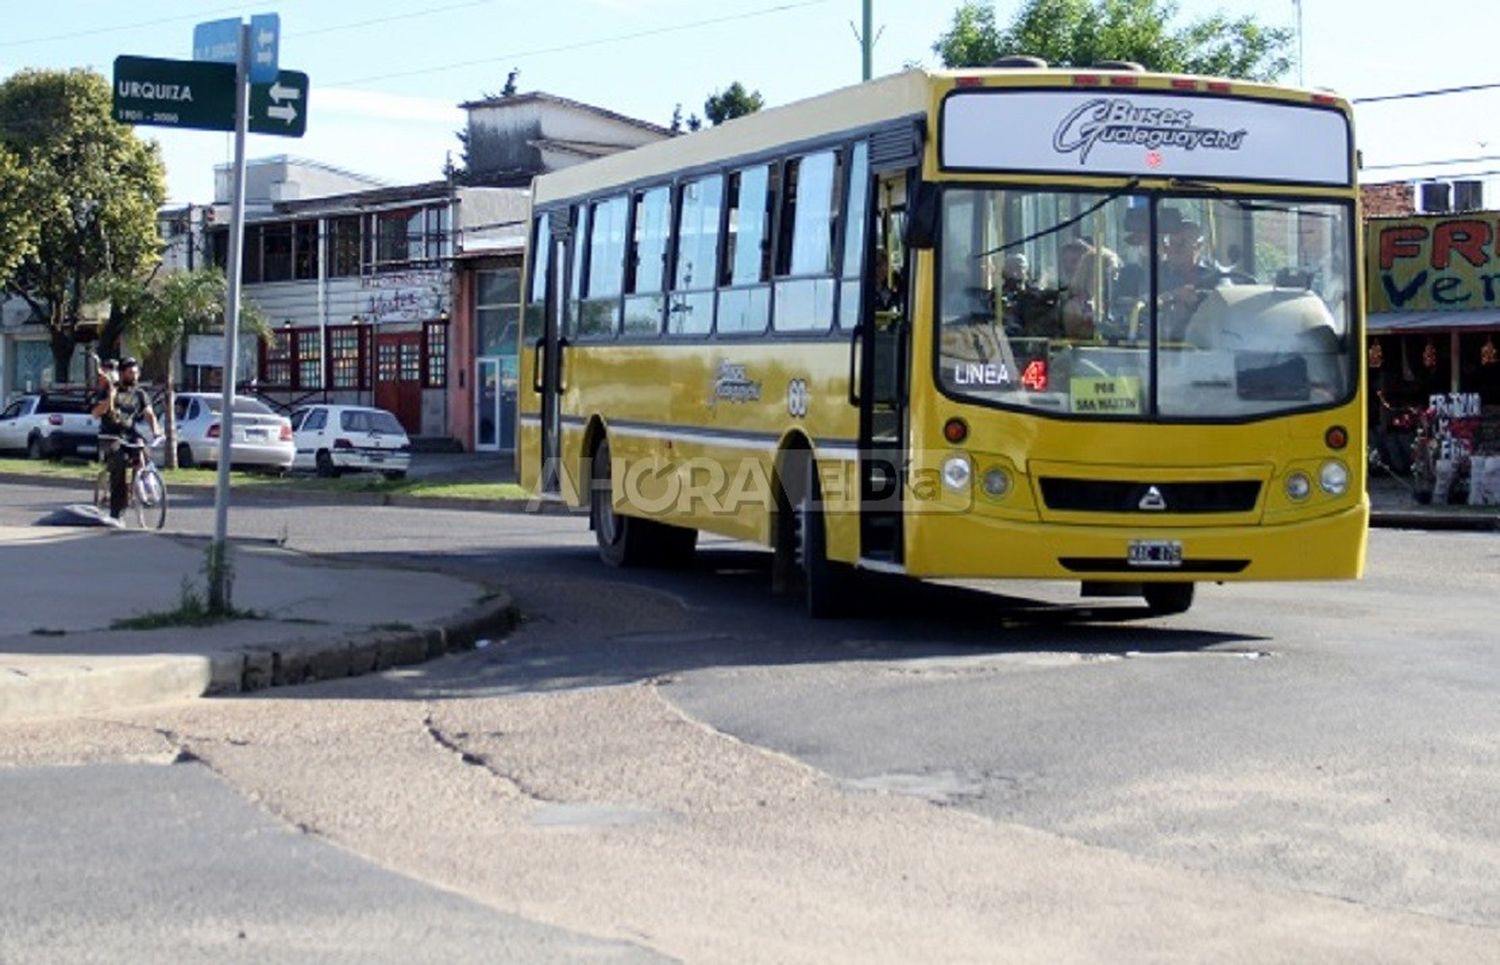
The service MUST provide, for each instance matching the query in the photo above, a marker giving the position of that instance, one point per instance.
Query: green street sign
(280, 108)
(174, 93)
(199, 94)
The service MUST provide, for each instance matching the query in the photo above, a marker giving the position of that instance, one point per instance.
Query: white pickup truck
(49, 425)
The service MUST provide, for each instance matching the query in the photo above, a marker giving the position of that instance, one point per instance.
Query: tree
(1079, 33)
(17, 226)
(93, 188)
(163, 311)
(731, 102)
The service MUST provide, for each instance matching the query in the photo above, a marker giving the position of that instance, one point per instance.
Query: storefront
(1433, 352)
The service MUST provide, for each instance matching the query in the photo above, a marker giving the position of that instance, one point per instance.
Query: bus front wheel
(1165, 599)
(825, 582)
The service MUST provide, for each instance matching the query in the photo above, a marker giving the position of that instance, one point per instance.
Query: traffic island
(65, 650)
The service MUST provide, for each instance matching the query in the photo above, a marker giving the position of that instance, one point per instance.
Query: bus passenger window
(855, 230)
(691, 308)
(809, 214)
(745, 302)
(600, 313)
(536, 301)
(645, 267)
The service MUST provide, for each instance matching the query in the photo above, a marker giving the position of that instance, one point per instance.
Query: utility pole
(218, 553)
(867, 39)
(1301, 60)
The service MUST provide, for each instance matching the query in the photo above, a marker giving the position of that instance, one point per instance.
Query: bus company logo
(732, 384)
(1116, 120)
(1153, 501)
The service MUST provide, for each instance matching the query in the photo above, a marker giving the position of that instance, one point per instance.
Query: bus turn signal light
(955, 430)
(1337, 437)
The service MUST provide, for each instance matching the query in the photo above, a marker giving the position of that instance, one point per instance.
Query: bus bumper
(974, 546)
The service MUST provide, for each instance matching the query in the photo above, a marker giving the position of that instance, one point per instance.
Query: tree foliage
(1079, 33)
(731, 102)
(163, 311)
(17, 226)
(92, 187)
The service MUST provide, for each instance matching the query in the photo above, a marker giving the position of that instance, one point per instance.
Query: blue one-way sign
(265, 47)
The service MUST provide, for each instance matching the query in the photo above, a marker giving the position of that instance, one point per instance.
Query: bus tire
(1166, 599)
(825, 582)
(620, 538)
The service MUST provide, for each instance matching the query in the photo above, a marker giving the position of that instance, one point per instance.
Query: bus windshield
(1140, 306)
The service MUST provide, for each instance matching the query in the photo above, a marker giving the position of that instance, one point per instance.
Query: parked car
(261, 437)
(49, 425)
(334, 438)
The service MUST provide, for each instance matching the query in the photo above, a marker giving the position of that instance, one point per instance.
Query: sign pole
(218, 554)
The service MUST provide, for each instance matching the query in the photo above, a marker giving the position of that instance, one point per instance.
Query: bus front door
(885, 332)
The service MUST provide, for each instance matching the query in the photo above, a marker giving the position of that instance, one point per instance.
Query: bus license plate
(1155, 552)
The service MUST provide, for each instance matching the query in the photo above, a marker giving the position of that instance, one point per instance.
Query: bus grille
(1118, 496)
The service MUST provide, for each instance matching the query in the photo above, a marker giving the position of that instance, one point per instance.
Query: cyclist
(120, 407)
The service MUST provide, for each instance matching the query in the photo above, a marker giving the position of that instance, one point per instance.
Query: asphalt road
(1324, 750)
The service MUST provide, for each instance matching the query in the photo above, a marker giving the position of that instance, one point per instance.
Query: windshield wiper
(1119, 192)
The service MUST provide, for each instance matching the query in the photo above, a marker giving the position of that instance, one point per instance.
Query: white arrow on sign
(282, 112)
(279, 93)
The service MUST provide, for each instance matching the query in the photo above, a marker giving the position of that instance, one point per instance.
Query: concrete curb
(314, 497)
(1436, 520)
(111, 684)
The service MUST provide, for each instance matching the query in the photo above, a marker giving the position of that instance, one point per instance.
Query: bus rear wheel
(628, 540)
(1166, 599)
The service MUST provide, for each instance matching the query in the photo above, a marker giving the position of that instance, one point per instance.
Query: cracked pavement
(675, 765)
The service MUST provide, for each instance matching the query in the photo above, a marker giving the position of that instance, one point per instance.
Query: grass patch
(353, 483)
(191, 611)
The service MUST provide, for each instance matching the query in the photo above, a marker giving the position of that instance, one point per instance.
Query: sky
(387, 75)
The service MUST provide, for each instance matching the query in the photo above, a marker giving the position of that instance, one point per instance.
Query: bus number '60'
(797, 398)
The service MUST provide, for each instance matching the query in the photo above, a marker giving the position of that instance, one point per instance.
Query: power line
(1413, 95)
(95, 31)
(580, 45)
(375, 21)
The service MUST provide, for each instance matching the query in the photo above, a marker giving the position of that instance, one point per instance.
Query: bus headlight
(1334, 477)
(1298, 486)
(995, 482)
(957, 473)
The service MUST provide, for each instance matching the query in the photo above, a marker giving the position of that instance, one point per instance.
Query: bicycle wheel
(150, 499)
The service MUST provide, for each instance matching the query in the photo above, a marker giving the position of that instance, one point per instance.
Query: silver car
(261, 437)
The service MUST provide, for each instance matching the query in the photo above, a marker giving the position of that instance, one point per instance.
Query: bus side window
(600, 315)
(536, 299)
(856, 229)
(646, 262)
(580, 250)
(690, 310)
(804, 252)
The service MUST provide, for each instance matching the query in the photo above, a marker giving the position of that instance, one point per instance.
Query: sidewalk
(317, 619)
(1392, 506)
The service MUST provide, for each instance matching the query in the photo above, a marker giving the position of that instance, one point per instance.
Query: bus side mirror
(922, 220)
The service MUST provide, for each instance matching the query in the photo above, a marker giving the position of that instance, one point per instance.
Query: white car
(49, 424)
(334, 438)
(261, 437)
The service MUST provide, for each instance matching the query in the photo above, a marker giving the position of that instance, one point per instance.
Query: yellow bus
(1094, 325)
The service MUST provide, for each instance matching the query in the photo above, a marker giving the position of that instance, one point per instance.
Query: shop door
(398, 378)
(487, 431)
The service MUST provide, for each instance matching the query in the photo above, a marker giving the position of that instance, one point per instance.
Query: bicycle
(146, 492)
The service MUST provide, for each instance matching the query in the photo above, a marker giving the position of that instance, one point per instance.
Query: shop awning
(1379, 323)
